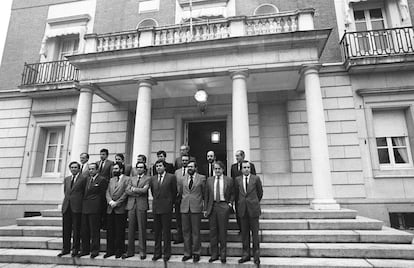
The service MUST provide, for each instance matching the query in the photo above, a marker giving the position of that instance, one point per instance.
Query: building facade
(319, 94)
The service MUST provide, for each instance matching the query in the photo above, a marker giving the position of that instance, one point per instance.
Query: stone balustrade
(298, 20)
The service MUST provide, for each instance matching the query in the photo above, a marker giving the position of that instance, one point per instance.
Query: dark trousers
(162, 231)
(115, 234)
(177, 211)
(248, 225)
(191, 233)
(219, 221)
(90, 231)
(71, 226)
(137, 216)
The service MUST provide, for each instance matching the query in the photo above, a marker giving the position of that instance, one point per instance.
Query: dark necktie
(100, 167)
(159, 180)
(240, 166)
(245, 183)
(218, 189)
(139, 178)
(183, 171)
(190, 185)
(117, 179)
(90, 182)
(82, 168)
(210, 170)
(72, 181)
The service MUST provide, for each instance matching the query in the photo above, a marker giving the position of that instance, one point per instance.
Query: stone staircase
(290, 237)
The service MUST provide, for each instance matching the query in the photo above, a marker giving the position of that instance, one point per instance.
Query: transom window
(52, 164)
(266, 9)
(392, 139)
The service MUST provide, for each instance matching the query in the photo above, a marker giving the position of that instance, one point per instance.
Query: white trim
(266, 4)
(154, 20)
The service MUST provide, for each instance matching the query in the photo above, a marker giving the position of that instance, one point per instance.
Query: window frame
(59, 152)
(393, 165)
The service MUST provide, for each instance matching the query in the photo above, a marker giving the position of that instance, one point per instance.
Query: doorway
(207, 136)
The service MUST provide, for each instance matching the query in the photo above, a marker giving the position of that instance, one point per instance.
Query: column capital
(87, 87)
(310, 68)
(145, 80)
(239, 73)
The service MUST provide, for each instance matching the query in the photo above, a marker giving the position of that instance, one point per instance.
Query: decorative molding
(186, 3)
(69, 19)
(53, 112)
(385, 91)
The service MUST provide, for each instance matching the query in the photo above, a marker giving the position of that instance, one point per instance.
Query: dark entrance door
(200, 140)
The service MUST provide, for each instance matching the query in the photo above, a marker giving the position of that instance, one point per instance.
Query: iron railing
(386, 42)
(49, 73)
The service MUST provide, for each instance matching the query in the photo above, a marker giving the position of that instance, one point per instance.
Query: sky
(5, 6)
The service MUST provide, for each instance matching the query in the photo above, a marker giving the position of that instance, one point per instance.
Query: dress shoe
(166, 258)
(117, 256)
(75, 253)
(243, 260)
(178, 242)
(212, 259)
(196, 258)
(257, 261)
(125, 256)
(107, 255)
(186, 258)
(83, 254)
(223, 260)
(156, 258)
(143, 257)
(94, 255)
(63, 253)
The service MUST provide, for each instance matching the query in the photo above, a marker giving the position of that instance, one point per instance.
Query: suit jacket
(169, 168)
(164, 195)
(106, 171)
(235, 172)
(228, 192)
(116, 192)
(192, 201)
(74, 195)
(179, 175)
(138, 196)
(94, 195)
(204, 170)
(85, 170)
(249, 200)
(128, 170)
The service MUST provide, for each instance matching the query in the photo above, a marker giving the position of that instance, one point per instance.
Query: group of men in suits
(120, 192)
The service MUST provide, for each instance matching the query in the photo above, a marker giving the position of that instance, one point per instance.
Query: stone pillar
(142, 132)
(81, 133)
(240, 113)
(321, 172)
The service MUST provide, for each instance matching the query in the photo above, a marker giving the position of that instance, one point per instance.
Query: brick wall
(14, 123)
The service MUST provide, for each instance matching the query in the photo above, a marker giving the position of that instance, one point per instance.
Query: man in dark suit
(249, 192)
(208, 168)
(236, 170)
(184, 150)
(191, 188)
(92, 202)
(104, 170)
(116, 213)
(137, 206)
(169, 168)
(219, 199)
(180, 174)
(105, 165)
(164, 191)
(74, 188)
(120, 159)
(84, 169)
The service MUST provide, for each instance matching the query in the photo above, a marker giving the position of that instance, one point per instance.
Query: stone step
(360, 223)
(321, 250)
(386, 235)
(44, 257)
(276, 213)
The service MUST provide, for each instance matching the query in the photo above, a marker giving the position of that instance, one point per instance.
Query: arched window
(266, 9)
(147, 23)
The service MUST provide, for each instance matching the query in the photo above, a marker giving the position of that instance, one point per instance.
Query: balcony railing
(49, 73)
(298, 20)
(387, 42)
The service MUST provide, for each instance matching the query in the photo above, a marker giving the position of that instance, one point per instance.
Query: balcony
(388, 49)
(49, 73)
(286, 22)
(47, 77)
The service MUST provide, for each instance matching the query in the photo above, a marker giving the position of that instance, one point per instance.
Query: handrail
(49, 73)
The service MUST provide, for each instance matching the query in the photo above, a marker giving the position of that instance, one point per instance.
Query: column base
(324, 204)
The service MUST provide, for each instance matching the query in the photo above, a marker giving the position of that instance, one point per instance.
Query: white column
(240, 113)
(321, 172)
(142, 132)
(81, 133)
